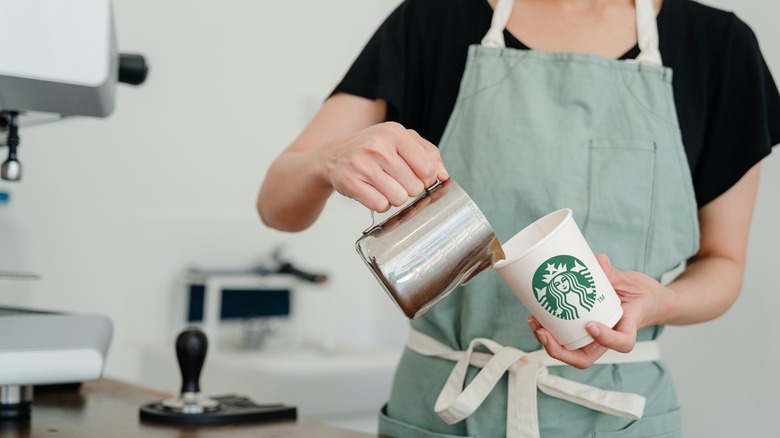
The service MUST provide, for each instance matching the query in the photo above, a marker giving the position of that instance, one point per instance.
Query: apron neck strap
(647, 33)
(646, 28)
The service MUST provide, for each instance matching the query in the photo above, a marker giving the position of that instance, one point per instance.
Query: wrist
(316, 166)
(669, 306)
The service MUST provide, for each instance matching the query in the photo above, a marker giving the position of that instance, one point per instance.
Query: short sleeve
(743, 120)
(379, 70)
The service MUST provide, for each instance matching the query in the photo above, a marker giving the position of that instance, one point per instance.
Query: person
(648, 119)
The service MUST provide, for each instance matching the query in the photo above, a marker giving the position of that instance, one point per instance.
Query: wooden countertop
(109, 409)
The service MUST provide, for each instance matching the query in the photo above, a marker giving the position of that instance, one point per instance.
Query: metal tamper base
(193, 407)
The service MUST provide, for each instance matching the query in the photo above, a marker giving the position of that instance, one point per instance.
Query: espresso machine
(57, 60)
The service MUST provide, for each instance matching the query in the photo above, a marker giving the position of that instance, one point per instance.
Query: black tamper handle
(191, 346)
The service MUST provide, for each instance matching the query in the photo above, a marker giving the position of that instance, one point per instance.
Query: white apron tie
(527, 372)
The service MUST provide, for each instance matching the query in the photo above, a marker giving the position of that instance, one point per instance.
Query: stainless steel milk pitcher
(424, 251)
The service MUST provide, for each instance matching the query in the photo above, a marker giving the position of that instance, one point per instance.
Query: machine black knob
(132, 69)
(191, 346)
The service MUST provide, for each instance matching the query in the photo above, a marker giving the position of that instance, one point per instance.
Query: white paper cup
(553, 271)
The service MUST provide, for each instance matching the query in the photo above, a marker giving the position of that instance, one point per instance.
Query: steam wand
(11, 169)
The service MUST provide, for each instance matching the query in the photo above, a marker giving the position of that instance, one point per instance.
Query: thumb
(614, 275)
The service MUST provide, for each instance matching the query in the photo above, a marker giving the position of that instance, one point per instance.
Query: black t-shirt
(727, 103)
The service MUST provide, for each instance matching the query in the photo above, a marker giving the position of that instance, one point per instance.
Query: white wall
(115, 208)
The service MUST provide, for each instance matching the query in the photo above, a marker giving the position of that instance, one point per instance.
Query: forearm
(293, 194)
(297, 186)
(713, 278)
(706, 290)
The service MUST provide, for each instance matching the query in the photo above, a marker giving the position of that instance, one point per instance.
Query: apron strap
(501, 14)
(527, 372)
(647, 33)
(646, 28)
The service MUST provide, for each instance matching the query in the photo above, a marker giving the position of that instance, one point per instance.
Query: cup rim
(506, 262)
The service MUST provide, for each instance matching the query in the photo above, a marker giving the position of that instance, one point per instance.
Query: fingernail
(593, 329)
(443, 170)
(542, 337)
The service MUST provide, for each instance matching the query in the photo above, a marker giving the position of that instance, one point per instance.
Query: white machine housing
(58, 56)
(40, 349)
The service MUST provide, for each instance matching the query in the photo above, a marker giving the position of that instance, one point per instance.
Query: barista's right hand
(380, 166)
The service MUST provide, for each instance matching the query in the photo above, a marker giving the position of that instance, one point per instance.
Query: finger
(534, 323)
(399, 170)
(581, 358)
(622, 341)
(405, 159)
(381, 156)
(369, 196)
(535, 326)
(371, 172)
(442, 173)
(416, 152)
(389, 187)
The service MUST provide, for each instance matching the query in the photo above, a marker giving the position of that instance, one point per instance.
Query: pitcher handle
(427, 190)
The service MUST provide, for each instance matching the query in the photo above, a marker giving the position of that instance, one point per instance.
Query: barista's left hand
(641, 297)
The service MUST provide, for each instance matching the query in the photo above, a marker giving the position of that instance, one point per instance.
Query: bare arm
(713, 279)
(708, 287)
(346, 148)
(294, 192)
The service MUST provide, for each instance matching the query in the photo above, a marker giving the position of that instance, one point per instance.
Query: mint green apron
(533, 132)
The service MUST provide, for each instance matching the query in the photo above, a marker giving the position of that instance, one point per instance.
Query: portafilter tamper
(191, 346)
(194, 408)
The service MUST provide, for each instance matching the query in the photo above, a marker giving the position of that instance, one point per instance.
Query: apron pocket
(667, 425)
(621, 186)
(390, 427)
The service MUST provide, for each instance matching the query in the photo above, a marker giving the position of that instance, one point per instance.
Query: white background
(113, 210)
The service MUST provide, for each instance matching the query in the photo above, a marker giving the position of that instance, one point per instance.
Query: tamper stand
(193, 407)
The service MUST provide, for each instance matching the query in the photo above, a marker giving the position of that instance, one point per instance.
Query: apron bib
(533, 132)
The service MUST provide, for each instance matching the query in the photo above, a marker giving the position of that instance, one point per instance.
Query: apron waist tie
(527, 372)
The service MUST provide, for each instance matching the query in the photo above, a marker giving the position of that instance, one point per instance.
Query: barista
(648, 119)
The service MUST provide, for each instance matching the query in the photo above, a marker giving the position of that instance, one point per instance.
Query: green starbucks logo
(564, 286)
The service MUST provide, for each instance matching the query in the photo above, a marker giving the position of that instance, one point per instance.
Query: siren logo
(564, 286)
